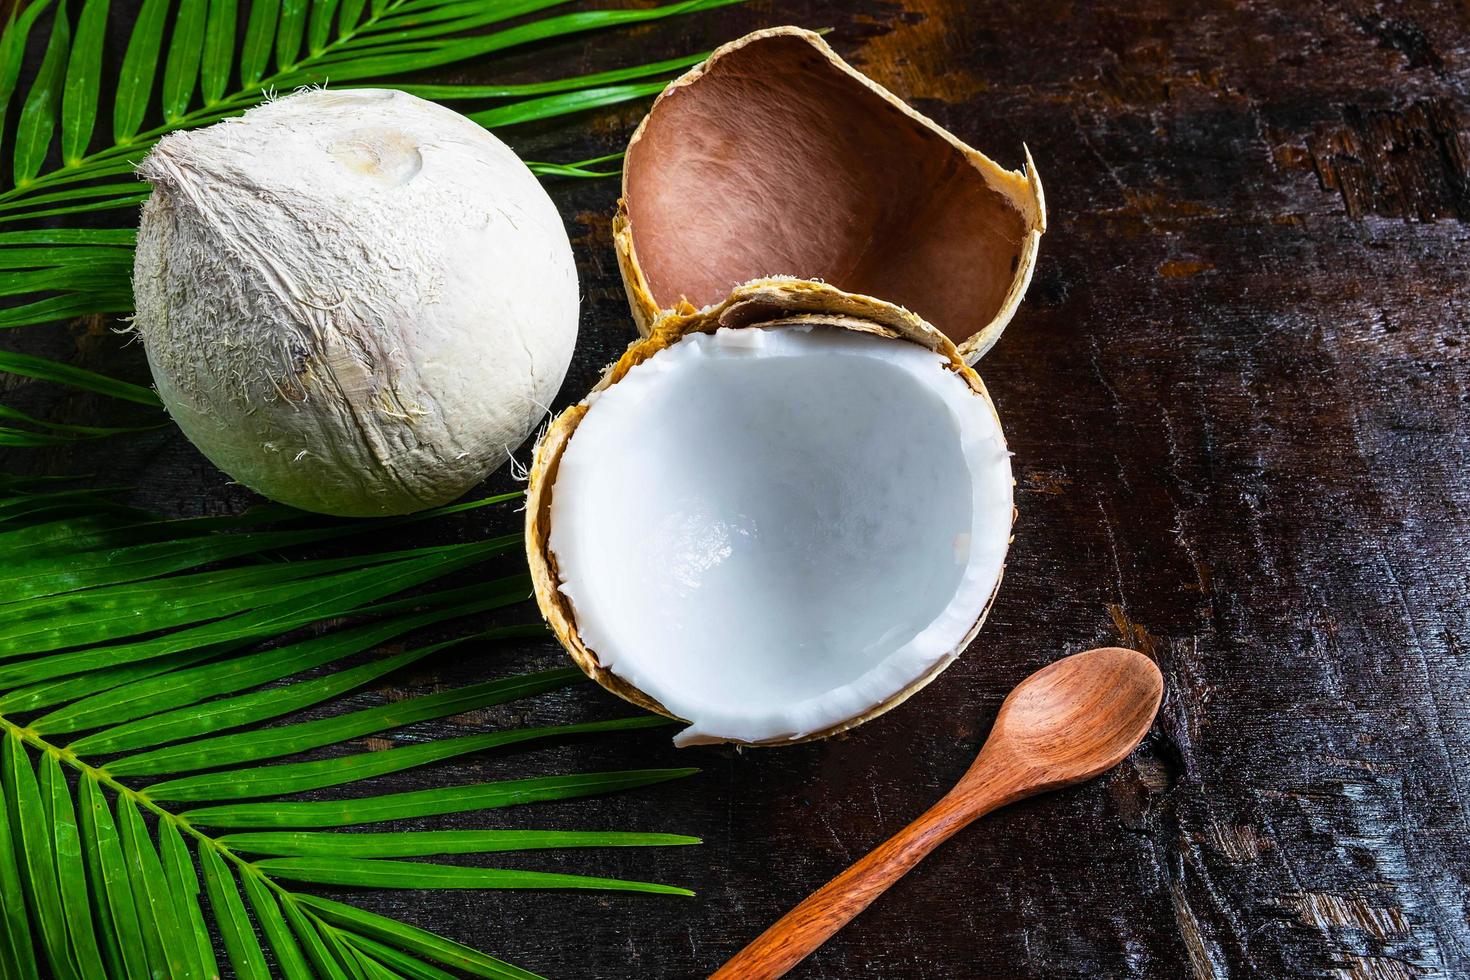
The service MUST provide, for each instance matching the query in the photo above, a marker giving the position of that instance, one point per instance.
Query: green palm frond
(149, 772)
(189, 63)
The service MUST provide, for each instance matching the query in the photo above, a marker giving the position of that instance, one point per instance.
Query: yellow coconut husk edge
(772, 303)
(1021, 187)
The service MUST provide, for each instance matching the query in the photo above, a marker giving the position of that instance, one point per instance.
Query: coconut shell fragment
(777, 158)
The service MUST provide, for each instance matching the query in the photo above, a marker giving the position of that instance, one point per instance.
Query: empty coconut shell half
(774, 518)
(776, 158)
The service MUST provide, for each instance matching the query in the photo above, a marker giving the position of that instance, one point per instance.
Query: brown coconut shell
(764, 303)
(777, 158)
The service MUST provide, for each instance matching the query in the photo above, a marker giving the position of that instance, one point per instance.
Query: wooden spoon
(1065, 724)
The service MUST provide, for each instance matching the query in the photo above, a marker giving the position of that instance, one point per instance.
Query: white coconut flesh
(773, 530)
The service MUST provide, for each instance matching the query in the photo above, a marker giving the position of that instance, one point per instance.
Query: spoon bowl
(1077, 717)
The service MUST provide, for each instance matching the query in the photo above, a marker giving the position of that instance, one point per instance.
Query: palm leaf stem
(100, 776)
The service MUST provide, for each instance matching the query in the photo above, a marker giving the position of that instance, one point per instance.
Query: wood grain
(1239, 398)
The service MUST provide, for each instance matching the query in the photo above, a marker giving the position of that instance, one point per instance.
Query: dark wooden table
(1238, 395)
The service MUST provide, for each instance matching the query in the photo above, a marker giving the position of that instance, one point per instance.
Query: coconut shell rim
(843, 310)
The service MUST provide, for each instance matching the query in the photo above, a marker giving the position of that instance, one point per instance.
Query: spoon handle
(802, 930)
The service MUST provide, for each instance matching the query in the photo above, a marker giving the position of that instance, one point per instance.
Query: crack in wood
(1411, 163)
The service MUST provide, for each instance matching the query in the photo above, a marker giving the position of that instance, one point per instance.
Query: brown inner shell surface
(777, 158)
(763, 303)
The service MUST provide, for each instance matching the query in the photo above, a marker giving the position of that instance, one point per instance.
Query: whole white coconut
(355, 302)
